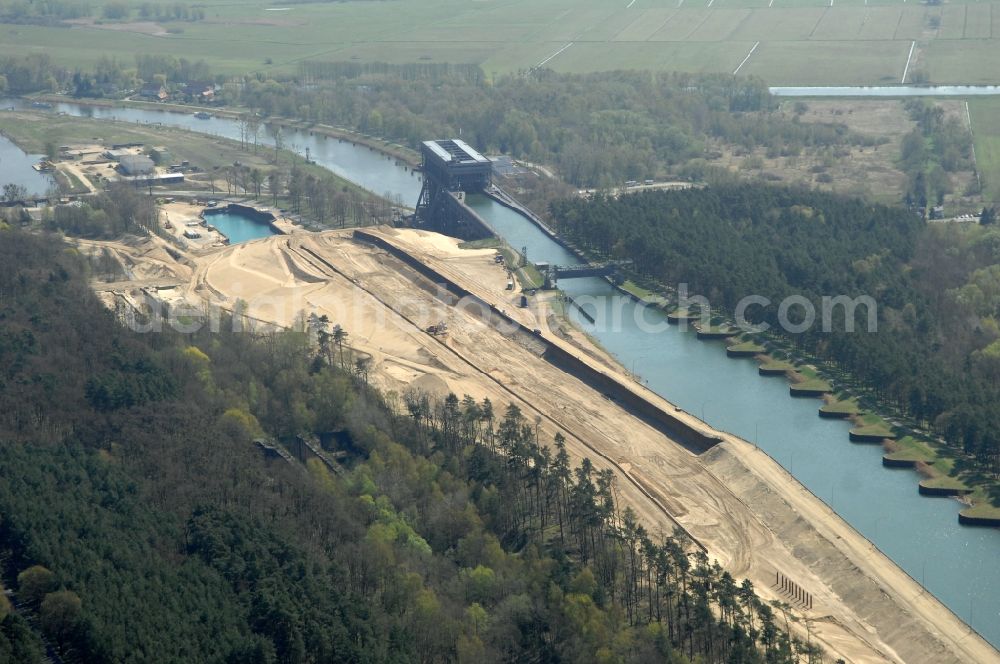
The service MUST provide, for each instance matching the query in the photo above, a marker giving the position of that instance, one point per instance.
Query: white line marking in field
(710, 2)
(735, 71)
(630, 4)
(975, 166)
(554, 54)
(907, 67)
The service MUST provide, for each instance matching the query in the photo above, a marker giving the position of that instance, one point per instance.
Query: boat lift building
(451, 169)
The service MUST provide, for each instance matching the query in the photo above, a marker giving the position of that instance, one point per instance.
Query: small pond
(238, 227)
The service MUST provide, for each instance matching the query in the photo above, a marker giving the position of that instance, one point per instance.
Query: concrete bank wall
(676, 429)
(968, 520)
(478, 228)
(614, 389)
(508, 201)
(940, 491)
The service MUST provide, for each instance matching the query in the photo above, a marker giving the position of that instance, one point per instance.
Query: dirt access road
(748, 512)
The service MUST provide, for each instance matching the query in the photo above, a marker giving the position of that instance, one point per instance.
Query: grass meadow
(816, 42)
(985, 115)
(793, 42)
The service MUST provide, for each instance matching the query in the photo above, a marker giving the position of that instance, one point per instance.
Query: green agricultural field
(879, 23)
(844, 63)
(971, 61)
(681, 25)
(985, 115)
(781, 25)
(646, 24)
(841, 23)
(719, 25)
(814, 42)
(953, 22)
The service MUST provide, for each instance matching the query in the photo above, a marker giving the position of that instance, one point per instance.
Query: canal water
(957, 564)
(16, 168)
(362, 165)
(237, 227)
(922, 535)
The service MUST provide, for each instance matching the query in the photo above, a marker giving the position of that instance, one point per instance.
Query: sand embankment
(748, 513)
(864, 605)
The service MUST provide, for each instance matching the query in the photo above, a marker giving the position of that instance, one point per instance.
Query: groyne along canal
(957, 564)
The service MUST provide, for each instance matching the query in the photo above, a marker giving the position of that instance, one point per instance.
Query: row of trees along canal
(314, 193)
(596, 129)
(453, 533)
(606, 129)
(307, 190)
(936, 353)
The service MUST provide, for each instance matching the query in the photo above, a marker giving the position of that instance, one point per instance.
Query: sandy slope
(741, 505)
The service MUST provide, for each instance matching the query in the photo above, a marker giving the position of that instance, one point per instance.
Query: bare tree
(14, 192)
(253, 129)
(274, 185)
(257, 179)
(279, 142)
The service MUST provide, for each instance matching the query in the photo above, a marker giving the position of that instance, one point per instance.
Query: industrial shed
(136, 165)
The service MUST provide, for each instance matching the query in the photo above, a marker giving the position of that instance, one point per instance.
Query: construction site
(432, 317)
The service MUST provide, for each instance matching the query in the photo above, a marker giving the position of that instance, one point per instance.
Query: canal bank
(882, 503)
(368, 168)
(694, 438)
(798, 519)
(921, 535)
(404, 155)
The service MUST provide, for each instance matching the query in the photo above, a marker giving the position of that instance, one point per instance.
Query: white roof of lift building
(455, 150)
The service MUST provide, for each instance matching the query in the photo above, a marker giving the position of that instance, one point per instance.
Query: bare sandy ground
(180, 216)
(747, 511)
(145, 260)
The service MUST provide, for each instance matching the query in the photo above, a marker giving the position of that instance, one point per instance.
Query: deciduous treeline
(937, 146)
(598, 129)
(42, 12)
(934, 354)
(119, 210)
